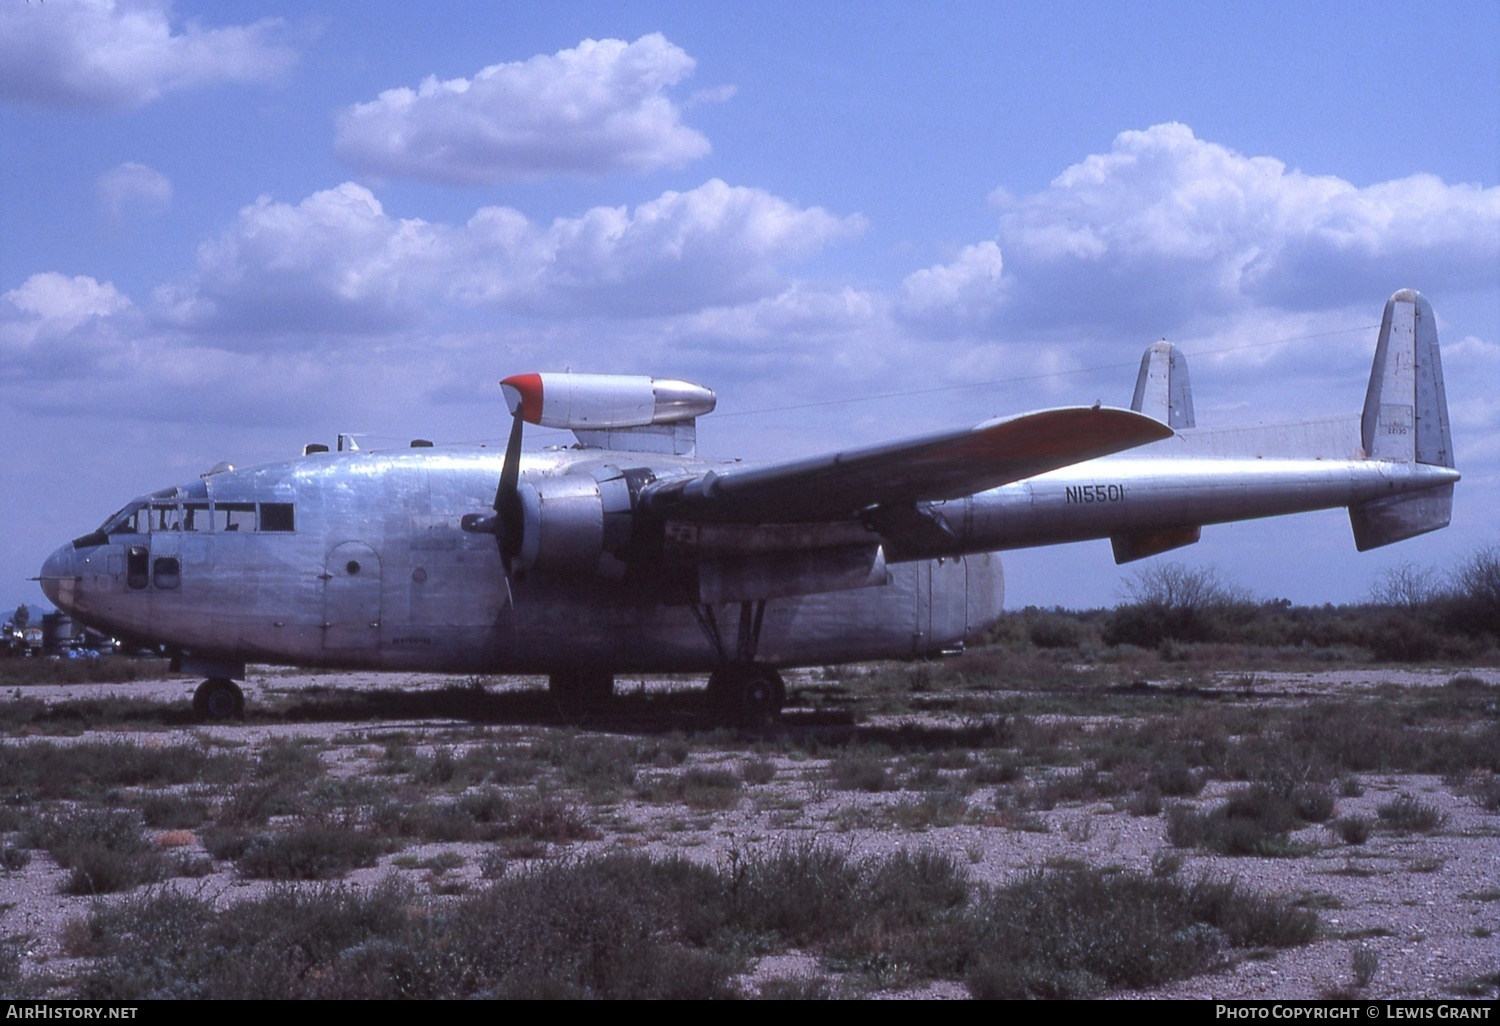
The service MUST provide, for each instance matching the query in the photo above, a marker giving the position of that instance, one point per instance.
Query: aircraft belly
(871, 623)
(924, 608)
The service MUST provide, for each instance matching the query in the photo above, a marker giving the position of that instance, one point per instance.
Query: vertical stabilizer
(1163, 393)
(1405, 421)
(1406, 407)
(1162, 390)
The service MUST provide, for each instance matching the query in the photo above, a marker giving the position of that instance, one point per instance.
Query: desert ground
(1007, 770)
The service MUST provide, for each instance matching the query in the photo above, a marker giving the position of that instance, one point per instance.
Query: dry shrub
(1073, 933)
(625, 926)
(1406, 815)
(176, 838)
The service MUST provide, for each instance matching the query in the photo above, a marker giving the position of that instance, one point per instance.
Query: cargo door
(351, 598)
(948, 604)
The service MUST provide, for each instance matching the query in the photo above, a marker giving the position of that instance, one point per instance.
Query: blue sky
(228, 230)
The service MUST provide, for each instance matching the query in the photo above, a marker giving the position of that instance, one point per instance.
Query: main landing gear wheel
(747, 696)
(580, 691)
(219, 699)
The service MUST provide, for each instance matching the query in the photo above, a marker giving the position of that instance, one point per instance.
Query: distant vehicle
(19, 641)
(629, 553)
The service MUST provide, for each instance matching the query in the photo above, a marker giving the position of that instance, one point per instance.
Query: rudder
(1406, 406)
(1162, 389)
(1405, 421)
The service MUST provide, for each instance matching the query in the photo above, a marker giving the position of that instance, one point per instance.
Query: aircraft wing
(929, 468)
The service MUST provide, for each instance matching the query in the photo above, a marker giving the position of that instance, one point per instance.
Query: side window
(276, 516)
(195, 517)
(136, 558)
(234, 516)
(168, 573)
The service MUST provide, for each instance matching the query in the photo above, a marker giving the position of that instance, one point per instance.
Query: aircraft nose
(57, 577)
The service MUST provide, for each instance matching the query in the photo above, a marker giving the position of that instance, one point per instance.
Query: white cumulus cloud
(59, 328)
(964, 293)
(337, 262)
(711, 246)
(63, 302)
(1168, 232)
(133, 190)
(598, 108)
(1171, 226)
(104, 54)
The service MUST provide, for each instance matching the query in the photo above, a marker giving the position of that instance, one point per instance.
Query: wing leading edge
(930, 468)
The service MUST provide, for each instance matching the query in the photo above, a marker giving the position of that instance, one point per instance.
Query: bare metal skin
(630, 554)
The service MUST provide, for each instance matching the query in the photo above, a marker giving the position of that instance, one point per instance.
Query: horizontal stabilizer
(1383, 521)
(1130, 547)
(937, 467)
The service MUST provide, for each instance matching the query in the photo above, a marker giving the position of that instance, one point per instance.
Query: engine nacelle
(578, 524)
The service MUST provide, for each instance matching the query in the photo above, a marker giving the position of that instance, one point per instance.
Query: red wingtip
(528, 393)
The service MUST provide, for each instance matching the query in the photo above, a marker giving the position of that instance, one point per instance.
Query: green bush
(105, 850)
(1175, 602)
(855, 771)
(307, 852)
(1472, 605)
(1254, 820)
(87, 769)
(171, 811)
(625, 926)
(1408, 815)
(1073, 933)
(1353, 829)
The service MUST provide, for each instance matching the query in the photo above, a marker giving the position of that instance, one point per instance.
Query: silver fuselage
(376, 573)
(358, 559)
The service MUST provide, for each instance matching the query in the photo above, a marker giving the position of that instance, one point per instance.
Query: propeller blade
(508, 499)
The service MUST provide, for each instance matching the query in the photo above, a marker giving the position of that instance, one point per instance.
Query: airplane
(629, 553)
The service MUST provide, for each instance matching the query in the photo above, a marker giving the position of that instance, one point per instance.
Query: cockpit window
(133, 519)
(166, 516)
(159, 515)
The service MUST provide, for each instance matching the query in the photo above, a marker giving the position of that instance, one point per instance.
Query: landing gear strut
(219, 698)
(742, 692)
(579, 691)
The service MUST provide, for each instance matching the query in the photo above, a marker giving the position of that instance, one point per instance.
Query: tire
(218, 699)
(747, 696)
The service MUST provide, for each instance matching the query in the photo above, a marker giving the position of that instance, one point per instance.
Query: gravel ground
(1427, 905)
